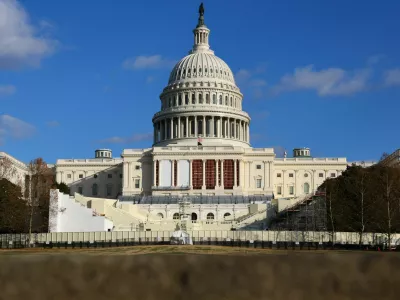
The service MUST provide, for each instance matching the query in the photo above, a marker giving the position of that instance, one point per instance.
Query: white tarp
(183, 173)
(180, 237)
(165, 178)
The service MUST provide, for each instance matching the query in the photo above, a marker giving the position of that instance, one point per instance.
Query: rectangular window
(290, 174)
(333, 175)
(109, 190)
(279, 190)
(258, 167)
(137, 183)
(80, 175)
(258, 183)
(68, 175)
(278, 175)
(321, 174)
(291, 190)
(137, 167)
(109, 175)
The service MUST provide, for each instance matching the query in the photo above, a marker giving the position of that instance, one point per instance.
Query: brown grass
(236, 273)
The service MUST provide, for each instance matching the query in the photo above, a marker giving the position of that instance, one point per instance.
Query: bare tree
(7, 168)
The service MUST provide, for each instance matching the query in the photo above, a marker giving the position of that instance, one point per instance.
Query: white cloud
(150, 79)
(147, 62)
(6, 90)
(246, 79)
(21, 43)
(52, 124)
(14, 128)
(126, 140)
(392, 77)
(327, 82)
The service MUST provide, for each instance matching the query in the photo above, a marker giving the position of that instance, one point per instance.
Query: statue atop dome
(201, 9)
(201, 15)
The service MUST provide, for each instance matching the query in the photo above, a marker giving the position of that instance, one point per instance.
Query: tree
(38, 184)
(13, 209)
(384, 156)
(62, 187)
(8, 170)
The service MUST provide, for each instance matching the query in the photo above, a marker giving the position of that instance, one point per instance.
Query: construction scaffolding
(309, 214)
(184, 215)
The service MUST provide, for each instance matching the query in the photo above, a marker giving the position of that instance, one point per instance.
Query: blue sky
(80, 75)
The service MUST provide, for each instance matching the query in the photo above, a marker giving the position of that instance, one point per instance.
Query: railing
(173, 188)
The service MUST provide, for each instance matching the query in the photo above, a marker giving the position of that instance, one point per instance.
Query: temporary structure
(180, 237)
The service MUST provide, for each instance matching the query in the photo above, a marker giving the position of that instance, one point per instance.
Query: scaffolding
(308, 214)
(184, 205)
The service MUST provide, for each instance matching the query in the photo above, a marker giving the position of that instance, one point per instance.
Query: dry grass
(234, 273)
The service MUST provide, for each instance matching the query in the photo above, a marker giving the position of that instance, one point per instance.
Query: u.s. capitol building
(201, 144)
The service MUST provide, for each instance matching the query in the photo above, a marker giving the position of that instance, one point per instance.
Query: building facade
(201, 144)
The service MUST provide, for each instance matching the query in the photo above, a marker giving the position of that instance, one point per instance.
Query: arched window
(226, 100)
(220, 99)
(180, 99)
(194, 216)
(306, 188)
(175, 216)
(200, 98)
(186, 99)
(210, 216)
(214, 99)
(227, 215)
(207, 98)
(160, 216)
(193, 98)
(94, 189)
(231, 102)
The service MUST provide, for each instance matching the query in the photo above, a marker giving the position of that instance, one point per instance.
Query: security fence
(262, 239)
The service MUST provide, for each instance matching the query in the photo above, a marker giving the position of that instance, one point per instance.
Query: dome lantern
(201, 34)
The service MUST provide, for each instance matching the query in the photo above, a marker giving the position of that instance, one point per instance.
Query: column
(228, 128)
(154, 172)
(204, 126)
(179, 127)
(195, 127)
(204, 174)
(187, 126)
(216, 173)
(283, 183)
(172, 172)
(270, 174)
(265, 175)
(165, 128)
(190, 173)
(250, 163)
(222, 173)
(248, 133)
(234, 172)
(212, 126)
(172, 128)
(129, 175)
(219, 127)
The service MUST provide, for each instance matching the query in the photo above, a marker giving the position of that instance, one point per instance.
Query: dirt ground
(174, 272)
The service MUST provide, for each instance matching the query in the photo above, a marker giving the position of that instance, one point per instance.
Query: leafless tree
(7, 169)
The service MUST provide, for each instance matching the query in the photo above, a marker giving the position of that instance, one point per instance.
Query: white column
(270, 174)
(195, 127)
(216, 172)
(172, 172)
(204, 174)
(222, 173)
(190, 173)
(187, 126)
(179, 127)
(212, 127)
(235, 172)
(129, 175)
(204, 126)
(265, 175)
(248, 133)
(250, 163)
(154, 172)
(172, 128)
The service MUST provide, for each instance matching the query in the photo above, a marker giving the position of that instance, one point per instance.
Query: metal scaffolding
(308, 214)
(184, 205)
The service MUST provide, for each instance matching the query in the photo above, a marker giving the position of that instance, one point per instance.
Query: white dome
(201, 65)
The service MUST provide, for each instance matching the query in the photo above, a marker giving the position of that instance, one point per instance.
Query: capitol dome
(201, 103)
(201, 64)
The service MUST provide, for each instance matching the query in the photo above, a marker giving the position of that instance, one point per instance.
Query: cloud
(14, 128)
(127, 140)
(52, 124)
(392, 77)
(327, 82)
(374, 59)
(247, 79)
(6, 90)
(150, 79)
(21, 43)
(147, 62)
